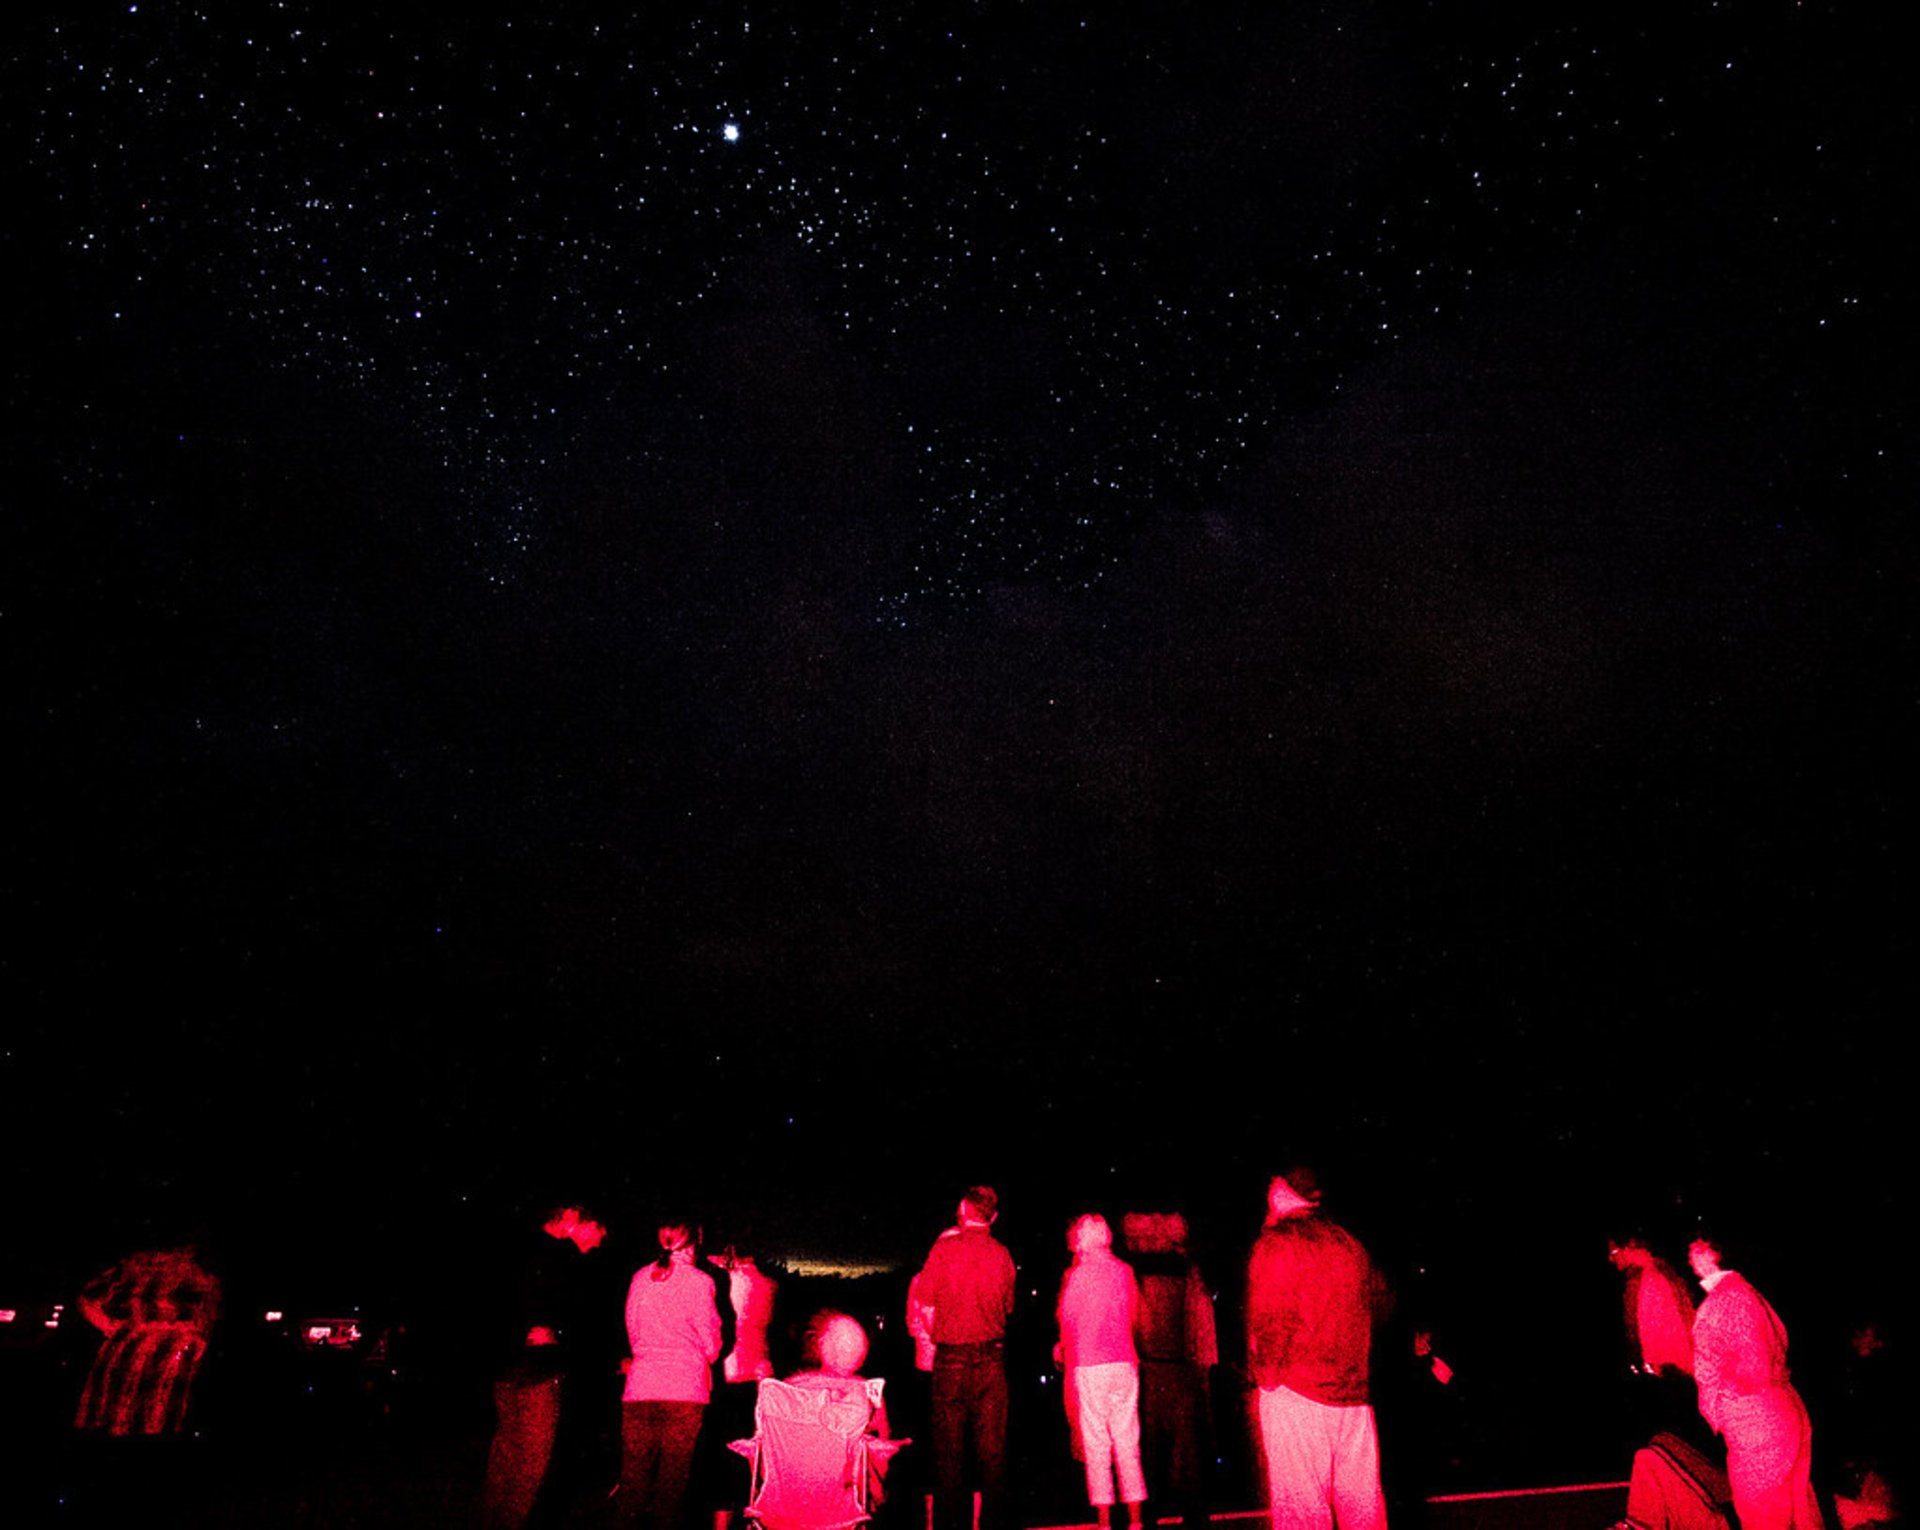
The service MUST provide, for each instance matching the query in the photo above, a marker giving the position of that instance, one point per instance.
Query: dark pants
(656, 1458)
(1175, 1438)
(526, 1417)
(969, 1430)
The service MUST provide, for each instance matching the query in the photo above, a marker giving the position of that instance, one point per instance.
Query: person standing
(1312, 1299)
(1098, 1311)
(1748, 1397)
(137, 1454)
(1178, 1350)
(550, 1319)
(673, 1326)
(967, 1282)
(1658, 1310)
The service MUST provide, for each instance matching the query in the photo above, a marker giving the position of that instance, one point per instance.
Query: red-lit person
(967, 1282)
(1747, 1396)
(549, 1318)
(831, 1354)
(1312, 1299)
(1658, 1309)
(1179, 1347)
(156, 1309)
(1098, 1310)
(673, 1326)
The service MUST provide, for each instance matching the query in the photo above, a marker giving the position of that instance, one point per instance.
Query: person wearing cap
(1312, 1299)
(1098, 1311)
(967, 1282)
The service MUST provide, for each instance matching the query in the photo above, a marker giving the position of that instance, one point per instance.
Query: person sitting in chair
(834, 1349)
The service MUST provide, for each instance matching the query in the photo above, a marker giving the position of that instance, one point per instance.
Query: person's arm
(1708, 1363)
(94, 1298)
(713, 1333)
(1203, 1342)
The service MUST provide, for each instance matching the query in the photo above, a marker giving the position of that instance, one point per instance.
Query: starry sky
(1097, 591)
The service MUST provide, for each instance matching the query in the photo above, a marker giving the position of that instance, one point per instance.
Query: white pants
(1108, 1399)
(1323, 1463)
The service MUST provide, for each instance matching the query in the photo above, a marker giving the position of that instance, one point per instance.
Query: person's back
(1311, 1299)
(968, 1282)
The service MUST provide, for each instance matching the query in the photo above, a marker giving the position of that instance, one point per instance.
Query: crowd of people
(1136, 1345)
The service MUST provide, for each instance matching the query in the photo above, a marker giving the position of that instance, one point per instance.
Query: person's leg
(1096, 1435)
(990, 1441)
(639, 1463)
(1123, 1423)
(1769, 1451)
(1293, 1433)
(526, 1412)
(949, 1446)
(1358, 1503)
(679, 1434)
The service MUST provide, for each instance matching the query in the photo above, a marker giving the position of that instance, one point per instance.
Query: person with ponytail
(673, 1326)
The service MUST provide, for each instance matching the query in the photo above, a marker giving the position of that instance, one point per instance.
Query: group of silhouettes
(1136, 1342)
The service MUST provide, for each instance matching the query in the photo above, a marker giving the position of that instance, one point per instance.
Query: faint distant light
(7, 1314)
(841, 1269)
(274, 1316)
(731, 132)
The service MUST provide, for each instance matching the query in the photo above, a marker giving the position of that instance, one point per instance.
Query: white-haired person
(831, 1354)
(1098, 1311)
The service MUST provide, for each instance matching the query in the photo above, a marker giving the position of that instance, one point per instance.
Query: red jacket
(1312, 1296)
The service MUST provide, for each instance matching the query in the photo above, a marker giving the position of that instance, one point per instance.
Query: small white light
(731, 132)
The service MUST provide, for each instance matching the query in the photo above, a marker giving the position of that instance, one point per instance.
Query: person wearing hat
(1312, 1298)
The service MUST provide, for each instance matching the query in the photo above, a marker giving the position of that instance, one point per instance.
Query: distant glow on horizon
(843, 1269)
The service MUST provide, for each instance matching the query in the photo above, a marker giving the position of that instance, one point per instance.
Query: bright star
(731, 132)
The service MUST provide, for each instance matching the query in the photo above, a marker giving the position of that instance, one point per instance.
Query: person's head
(1704, 1255)
(1089, 1234)
(576, 1224)
(979, 1206)
(1286, 1198)
(1628, 1254)
(836, 1343)
(679, 1242)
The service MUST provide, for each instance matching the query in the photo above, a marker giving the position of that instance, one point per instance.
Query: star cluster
(1081, 265)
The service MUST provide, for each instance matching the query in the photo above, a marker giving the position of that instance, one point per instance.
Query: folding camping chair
(811, 1459)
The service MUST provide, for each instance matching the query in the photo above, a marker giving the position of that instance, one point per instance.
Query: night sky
(798, 607)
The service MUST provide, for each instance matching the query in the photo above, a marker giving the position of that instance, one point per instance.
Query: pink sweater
(1098, 1304)
(674, 1328)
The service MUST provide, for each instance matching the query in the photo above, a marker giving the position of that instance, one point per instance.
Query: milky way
(1075, 267)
